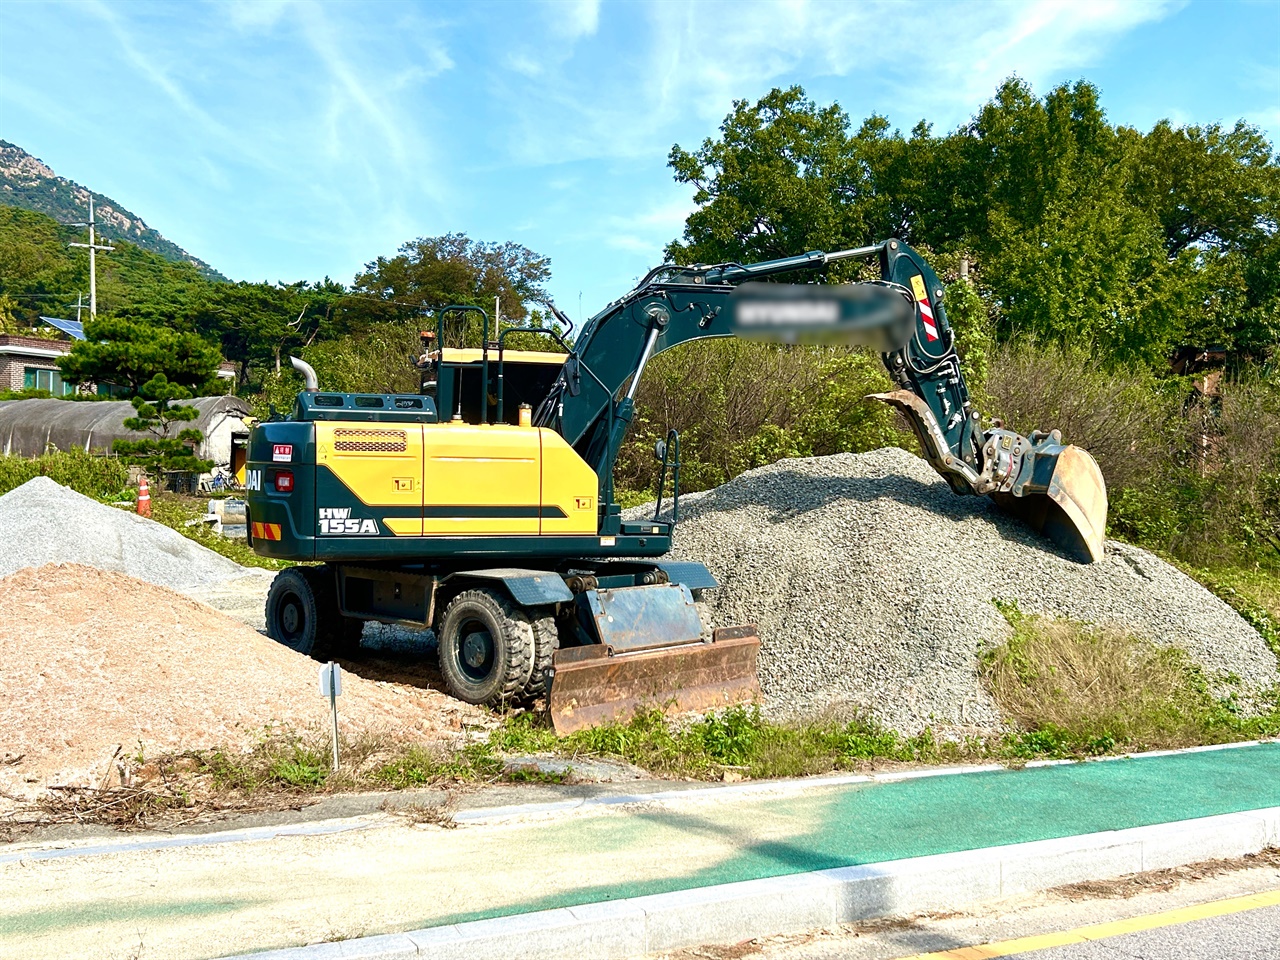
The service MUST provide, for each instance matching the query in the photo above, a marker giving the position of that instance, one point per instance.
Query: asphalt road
(1249, 935)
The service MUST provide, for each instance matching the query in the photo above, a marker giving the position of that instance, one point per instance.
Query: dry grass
(1095, 689)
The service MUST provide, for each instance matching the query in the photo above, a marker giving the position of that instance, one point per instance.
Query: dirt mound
(872, 584)
(91, 660)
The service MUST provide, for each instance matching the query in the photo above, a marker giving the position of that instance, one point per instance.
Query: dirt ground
(99, 665)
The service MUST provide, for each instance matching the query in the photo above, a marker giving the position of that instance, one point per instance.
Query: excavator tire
(293, 611)
(486, 648)
(302, 613)
(546, 640)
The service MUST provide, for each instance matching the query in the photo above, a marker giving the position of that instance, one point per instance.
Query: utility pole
(79, 304)
(94, 247)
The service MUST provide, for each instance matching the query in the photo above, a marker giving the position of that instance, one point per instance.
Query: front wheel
(486, 648)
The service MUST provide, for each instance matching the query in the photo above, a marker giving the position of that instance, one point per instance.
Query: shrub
(740, 405)
(95, 476)
(1072, 688)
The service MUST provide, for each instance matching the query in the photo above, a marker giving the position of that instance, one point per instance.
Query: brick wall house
(32, 362)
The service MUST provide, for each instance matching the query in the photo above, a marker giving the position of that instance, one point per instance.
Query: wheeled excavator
(483, 507)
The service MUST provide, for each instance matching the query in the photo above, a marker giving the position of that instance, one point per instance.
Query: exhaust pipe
(308, 374)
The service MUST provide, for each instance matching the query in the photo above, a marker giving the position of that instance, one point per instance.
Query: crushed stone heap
(872, 584)
(45, 522)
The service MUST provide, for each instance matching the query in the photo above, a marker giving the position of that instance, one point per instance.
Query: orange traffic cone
(144, 498)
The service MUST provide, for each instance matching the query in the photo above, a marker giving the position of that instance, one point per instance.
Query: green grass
(1253, 592)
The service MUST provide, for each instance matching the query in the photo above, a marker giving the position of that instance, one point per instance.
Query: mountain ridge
(29, 183)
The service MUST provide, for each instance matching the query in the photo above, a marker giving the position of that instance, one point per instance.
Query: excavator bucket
(1065, 499)
(595, 684)
(1055, 489)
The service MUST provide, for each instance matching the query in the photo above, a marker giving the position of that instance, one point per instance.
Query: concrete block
(599, 930)
(1208, 838)
(392, 946)
(738, 911)
(516, 937)
(908, 886)
(1270, 818)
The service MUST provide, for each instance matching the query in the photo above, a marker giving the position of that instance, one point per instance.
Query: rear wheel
(302, 613)
(292, 611)
(486, 648)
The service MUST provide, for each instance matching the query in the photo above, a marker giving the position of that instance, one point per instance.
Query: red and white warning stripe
(926, 317)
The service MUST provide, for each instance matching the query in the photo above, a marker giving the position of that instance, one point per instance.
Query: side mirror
(660, 450)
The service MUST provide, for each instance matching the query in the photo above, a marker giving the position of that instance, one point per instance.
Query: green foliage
(129, 353)
(1252, 593)
(379, 360)
(258, 325)
(433, 272)
(95, 476)
(740, 404)
(1089, 235)
(157, 414)
(31, 393)
(40, 274)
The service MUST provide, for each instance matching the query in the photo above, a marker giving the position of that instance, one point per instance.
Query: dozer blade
(1065, 499)
(592, 686)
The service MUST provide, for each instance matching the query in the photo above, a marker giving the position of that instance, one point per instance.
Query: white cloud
(692, 60)
(575, 18)
(646, 233)
(255, 15)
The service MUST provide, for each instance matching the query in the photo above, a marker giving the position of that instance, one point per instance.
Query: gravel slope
(45, 522)
(872, 585)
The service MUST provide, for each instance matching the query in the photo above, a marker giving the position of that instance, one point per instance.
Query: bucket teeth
(591, 687)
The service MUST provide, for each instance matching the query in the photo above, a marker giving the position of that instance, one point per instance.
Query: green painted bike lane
(213, 899)
(866, 823)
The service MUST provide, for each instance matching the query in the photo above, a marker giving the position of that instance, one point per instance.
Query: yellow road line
(1101, 931)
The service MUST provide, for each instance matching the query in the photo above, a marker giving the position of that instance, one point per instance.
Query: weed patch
(94, 476)
(1076, 690)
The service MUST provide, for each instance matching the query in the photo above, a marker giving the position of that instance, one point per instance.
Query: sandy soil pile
(91, 660)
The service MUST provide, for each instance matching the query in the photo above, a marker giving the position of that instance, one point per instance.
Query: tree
(260, 324)
(1090, 235)
(780, 179)
(157, 415)
(452, 269)
(129, 354)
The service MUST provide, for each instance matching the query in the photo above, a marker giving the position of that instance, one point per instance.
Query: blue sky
(293, 140)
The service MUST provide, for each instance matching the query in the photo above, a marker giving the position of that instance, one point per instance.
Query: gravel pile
(45, 522)
(872, 586)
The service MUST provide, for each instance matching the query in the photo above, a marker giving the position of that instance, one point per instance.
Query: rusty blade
(590, 687)
(1072, 512)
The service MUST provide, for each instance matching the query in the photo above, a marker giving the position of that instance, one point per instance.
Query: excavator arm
(1056, 488)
